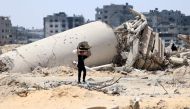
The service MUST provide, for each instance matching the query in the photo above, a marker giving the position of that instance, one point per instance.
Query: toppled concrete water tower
(142, 47)
(58, 49)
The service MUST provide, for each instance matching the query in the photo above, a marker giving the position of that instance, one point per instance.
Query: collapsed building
(144, 47)
(132, 44)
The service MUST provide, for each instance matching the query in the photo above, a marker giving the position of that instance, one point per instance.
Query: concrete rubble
(144, 48)
(181, 56)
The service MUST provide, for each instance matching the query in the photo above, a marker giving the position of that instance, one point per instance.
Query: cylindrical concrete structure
(57, 49)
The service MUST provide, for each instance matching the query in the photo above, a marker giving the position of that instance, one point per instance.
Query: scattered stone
(115, 107)
(105, 91)
(128, 69)
(32, 89)
(161, 105)
(134, 104)
(176, 91)
(75, 96)
(45, 73)
(169, 71)
(160, 102)
(115, 92)
(152, 95)
(124, 73)
(144, 78)
(156, 84)
(71, 74)
(90, 79)
(148, 84)
(97, 107)
(22, 93)
(165, 93)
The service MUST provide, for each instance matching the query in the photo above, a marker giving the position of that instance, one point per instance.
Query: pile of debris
(139, 46)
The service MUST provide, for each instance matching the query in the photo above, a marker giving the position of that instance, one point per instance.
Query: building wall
(5, 30)
(113, 14)
(164, 17)
(60, 22)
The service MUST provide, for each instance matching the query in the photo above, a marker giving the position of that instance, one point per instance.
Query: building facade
(23, 36)
(113, 14)
(169, 24)
(5, 30)
(60, 22)
(19, 34)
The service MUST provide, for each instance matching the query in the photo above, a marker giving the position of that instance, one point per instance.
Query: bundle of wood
(83, 49)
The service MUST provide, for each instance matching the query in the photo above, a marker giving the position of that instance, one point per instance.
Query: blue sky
(30, 13)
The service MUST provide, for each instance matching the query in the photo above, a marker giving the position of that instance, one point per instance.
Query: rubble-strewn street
(57, 88)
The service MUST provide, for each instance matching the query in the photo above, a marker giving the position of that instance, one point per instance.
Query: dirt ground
(57, 88)
(69, 97)
(134, 85)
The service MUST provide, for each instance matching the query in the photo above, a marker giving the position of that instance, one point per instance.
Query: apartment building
(114, 14)
(60, 22)
(5, 30)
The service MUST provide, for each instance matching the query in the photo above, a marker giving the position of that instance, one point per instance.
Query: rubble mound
(10, 47)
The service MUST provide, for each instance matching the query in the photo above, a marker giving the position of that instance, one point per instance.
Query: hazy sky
(30, 13)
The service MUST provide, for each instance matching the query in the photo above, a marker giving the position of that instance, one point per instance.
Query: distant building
(20, 35)
(167, 38)
(5, 30)
(158, 18)
(35, 35)
(23, 36)
(169, 24)
(60, 22)
(113, 14)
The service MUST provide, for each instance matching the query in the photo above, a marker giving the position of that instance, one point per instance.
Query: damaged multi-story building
(60, 22)
(114, 14)
(169, 24)
(22, 35)
(5, 30)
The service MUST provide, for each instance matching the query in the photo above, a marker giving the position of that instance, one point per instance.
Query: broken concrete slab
(178, 61)
(145, 48)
